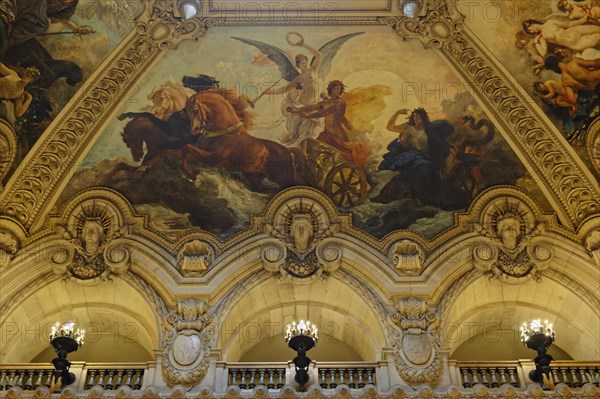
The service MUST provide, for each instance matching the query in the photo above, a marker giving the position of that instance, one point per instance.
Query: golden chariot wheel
(346, 185)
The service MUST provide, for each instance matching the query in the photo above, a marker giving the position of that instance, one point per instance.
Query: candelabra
(301, 337)
(64, 339)
(539, 337)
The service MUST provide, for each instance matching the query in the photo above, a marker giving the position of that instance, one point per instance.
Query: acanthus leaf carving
(188, 332)
(416, 341)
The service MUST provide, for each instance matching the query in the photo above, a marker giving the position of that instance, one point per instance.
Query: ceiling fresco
(380, 125)
(49, 48)
(552, 50)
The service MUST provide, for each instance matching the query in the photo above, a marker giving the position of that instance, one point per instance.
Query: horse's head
(135, 144)
(198, 114)
(209, 111)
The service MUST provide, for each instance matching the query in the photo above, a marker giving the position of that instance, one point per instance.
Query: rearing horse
(224, 142)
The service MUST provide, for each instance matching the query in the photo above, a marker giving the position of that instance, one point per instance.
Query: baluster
(593, 375)
(370, 373)
(101, 374)
(243, 379)
(342, 372)
(261, 377)
(2, 377)
(466, 382)
(484, 379)
(323, 373)
(119, 381)
(20, 375)
(280, 382)
(494, 380)
(361, 382)
(512, 378)
(332, 378)
(271, 383)
(584, 376)
(555, 376)
(110, 383)
(501, 371)
(49, 376)
(474, 375)
(91, 379)
(233, 374)
(11, 379)
(38, 380)
(129, 376)
(351, 383)
(252, 375)
(576, 382)
(29, 382)
(140, 375)
(563, 372)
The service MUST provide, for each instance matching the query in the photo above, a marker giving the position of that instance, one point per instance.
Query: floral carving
(416, 341)
(188, 332)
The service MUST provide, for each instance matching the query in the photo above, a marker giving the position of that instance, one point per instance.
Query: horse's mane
(240, 105)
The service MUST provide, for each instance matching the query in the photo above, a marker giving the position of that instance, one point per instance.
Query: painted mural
(48, 48)
(552, 47)
(379, 125)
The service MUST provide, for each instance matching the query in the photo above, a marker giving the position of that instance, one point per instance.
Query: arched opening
(484, 321)
(349, 329)
(120, 325)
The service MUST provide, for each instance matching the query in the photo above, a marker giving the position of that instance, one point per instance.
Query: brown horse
(158, 135)
(223, 142)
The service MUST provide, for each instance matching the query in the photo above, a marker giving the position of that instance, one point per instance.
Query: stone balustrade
(360, 380)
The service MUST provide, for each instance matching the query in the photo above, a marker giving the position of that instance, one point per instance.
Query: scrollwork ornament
(416, 342)
(513, 248)
(407, 257)
(195, 258)
(188, 332)
(302, 245)
(435, 25)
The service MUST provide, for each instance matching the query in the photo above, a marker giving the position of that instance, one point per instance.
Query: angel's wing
(329, 50)
(278, 56)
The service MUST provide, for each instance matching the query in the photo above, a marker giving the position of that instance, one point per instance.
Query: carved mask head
(301, 231)
(92, 235)
(509, 231)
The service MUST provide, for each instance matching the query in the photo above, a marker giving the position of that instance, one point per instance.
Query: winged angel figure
(303, 84)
